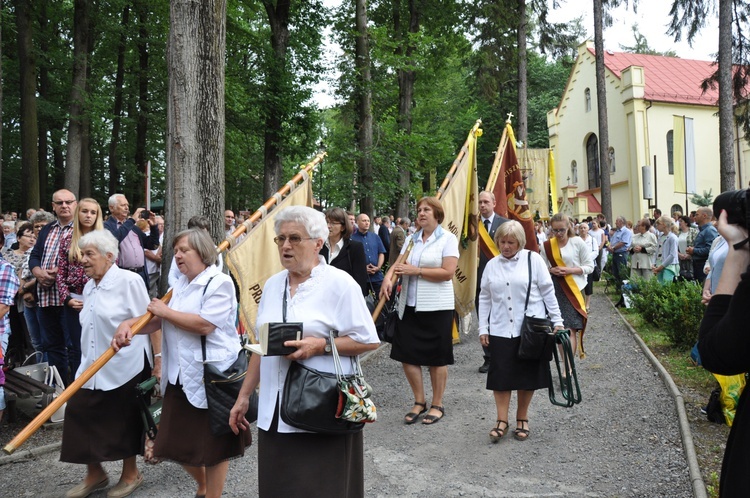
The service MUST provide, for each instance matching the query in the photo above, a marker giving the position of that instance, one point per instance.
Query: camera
(145, 214)
(734, 203)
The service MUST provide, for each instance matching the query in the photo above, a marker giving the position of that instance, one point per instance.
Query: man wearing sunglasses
(43, 264)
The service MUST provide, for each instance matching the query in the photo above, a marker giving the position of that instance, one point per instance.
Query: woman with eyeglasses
(292, 461)
(341, 252)
(17, 257)
(642, 249)
(203, 305)
(569, 261)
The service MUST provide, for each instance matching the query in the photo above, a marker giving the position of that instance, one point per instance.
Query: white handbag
(54, 379)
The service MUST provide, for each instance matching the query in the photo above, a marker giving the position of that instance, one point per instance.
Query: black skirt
(509, 373)
(571, 318)
(424, 338)
(104, 426)
(307, 464)
(185, 436)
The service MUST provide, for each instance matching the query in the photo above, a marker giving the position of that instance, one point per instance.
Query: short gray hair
(44, 216)
(10, 224)
(405, 221)
(313, 221)
(113, 199)
(199, 240)
(101, 240)
(513, 229)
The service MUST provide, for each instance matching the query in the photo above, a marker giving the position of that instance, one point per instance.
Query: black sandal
(412, 417)
(432, 419)
(520, 433)
(496, 433)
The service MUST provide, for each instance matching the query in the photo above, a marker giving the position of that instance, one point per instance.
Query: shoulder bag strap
(203, 337)
(528, 289)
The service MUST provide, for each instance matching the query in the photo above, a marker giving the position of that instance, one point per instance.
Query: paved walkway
(624, 439)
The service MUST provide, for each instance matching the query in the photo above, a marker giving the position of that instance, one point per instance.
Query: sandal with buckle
(412, 417)
(520, 433)
(432, 419)
(497, 433)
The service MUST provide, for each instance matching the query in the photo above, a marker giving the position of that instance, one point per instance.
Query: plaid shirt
(9, 285)
(48, 296)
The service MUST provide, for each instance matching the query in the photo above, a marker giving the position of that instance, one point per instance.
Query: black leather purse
(537, 337)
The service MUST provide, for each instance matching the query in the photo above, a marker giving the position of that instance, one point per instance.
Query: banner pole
(68, 393)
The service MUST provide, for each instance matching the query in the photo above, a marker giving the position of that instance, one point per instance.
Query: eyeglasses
(334, 223)
(67, 203)
(559, 230)
(294, 240)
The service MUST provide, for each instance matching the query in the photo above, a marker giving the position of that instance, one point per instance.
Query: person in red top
(70, 275)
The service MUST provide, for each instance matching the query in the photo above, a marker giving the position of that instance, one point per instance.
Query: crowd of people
(63, 270)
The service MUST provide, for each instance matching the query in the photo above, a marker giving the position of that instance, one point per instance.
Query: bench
(20, 386)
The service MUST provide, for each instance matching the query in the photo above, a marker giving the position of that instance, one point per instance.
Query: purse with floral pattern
(355, 403)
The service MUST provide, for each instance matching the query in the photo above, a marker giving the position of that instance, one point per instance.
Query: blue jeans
(52, 324)
(35, 331)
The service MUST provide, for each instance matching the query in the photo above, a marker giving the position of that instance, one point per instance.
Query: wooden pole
(438, 194)
(68, 393)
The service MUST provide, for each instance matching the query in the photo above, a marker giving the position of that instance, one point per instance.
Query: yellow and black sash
(569, 286)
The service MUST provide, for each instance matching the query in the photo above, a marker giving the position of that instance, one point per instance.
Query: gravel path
(623, 439)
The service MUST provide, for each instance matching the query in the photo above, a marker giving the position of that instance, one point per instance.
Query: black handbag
(537, 337)
(390, 310)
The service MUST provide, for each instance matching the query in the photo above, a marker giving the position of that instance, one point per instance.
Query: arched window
(587, 95)
(611, 159)
(675, 207)
(592, 161)
(574, 172)
(670, 151)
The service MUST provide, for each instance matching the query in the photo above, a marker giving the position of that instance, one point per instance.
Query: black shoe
(485, 367)
(620, 304)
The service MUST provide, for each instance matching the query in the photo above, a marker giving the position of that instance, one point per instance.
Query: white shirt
(175, 273)
(575, 254)
(182, 356)
(450, 249)
(335, 250)
(503, 294)
(593, 246)
(329, 300)
(598, 235)
(119, 296)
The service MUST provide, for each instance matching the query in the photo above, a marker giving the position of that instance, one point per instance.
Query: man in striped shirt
(43, 264)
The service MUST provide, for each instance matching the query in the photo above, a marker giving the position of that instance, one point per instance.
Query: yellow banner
(461, 207)
(678, 153)
(552, 181)
(536, 174)
(256, 258)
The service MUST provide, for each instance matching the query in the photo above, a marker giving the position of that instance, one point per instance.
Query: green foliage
(704, 200)
(675, 308)
(641, 45)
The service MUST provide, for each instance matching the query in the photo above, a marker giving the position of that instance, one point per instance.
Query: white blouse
(575, 254)
(503, 294)
(119, 296)
(329, 300)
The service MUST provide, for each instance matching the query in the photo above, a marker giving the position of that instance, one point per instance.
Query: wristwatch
(327, 348)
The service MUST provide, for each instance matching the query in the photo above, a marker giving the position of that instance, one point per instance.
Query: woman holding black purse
(506, 282)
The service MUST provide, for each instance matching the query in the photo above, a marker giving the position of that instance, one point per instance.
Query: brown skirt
(301, 464)
(104, 426)
(185, 436)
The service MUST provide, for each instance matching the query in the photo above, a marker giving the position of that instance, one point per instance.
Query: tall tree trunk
(29, 130)
(276, 77)
(114, 174)
(601, 104)
(522, 127)
(77, 96)
(85, 186)
(364, 109)
(141, 129)
(195, 117)
(406, 79)
(726, 107)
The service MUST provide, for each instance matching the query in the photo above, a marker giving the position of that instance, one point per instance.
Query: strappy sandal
(520, 433)
(432, 419)
(412, 417)
(496, 433)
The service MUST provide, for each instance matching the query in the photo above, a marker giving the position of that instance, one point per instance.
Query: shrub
(674, 308)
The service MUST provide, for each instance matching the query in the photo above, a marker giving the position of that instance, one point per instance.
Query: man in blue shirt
(702, 244)
(374, 251)
(619, 245)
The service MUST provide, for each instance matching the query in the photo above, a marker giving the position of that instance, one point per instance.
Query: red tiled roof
(593, 205)
(668, 79)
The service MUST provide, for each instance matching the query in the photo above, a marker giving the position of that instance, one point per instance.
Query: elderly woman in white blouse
(292, 461)
(502, 299)
(203, 306)
(102, 420)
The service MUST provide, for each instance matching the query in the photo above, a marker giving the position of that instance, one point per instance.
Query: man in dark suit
(491, 221)
(398, 237)
(132, 240)
(384, 233)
